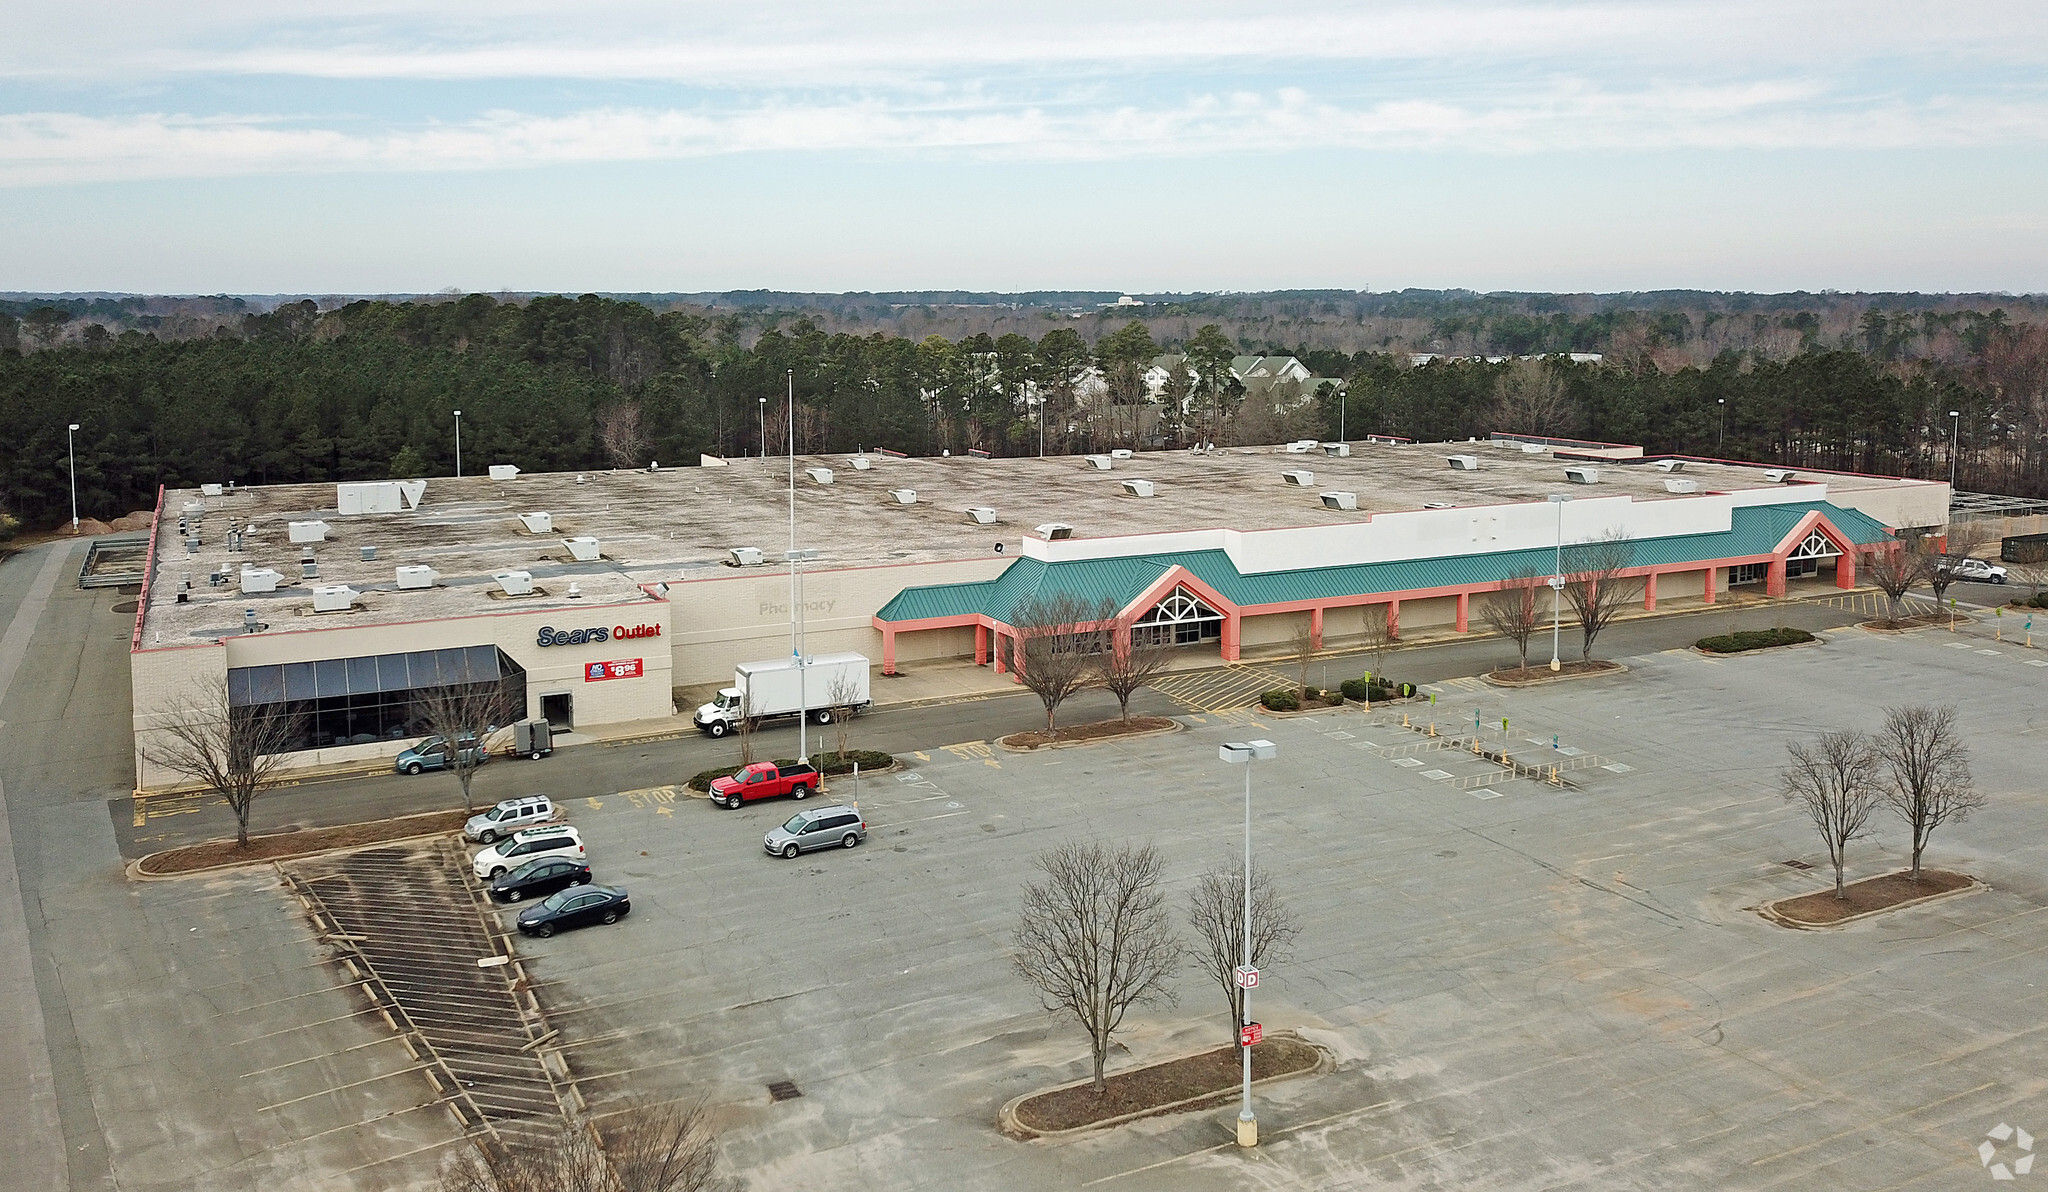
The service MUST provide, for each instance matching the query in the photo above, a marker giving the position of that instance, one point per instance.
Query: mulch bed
(1219, 1073)
(280, 846)
(1882, 625)
(1101, 730)
(1870, 894)
(1539, 674)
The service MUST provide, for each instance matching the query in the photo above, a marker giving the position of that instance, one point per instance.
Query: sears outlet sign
(551, 636)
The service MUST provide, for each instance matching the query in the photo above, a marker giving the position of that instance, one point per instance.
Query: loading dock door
(555, 709)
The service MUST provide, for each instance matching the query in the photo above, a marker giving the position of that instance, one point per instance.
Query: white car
(1976, 571)
(557, 840)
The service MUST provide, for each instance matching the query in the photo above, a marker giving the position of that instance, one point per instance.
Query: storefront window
(359, 701)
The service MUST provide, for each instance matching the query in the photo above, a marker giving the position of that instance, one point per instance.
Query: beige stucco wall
(1900, 504)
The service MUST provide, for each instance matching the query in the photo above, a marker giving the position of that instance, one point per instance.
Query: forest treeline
(368, 390)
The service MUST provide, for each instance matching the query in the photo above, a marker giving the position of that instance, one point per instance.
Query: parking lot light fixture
(1557, 580)
(1243, 753)
(71, 454)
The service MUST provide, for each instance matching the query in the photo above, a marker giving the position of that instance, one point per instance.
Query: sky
(389, 146)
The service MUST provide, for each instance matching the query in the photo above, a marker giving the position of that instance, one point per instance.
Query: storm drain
(1795, 864)
(784, 1090)
(412, 932)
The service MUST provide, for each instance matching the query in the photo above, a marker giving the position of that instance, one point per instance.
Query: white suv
(508, 817)
(559, 840)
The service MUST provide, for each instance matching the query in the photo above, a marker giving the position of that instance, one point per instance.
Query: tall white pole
(1955, 427)
(71, 453)
(1244, 1112)
(1557, 582)
(458, 444)
(796, 584)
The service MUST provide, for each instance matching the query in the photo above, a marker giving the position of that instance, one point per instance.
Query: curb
(133, 869)
(1614, 668)
(1769, 913)
(1006, 1117)
(1174, 727)
(1325, 710)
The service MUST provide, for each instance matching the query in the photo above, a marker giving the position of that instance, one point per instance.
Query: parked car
(508, 817)
(538, 879)
(1977, 571)
(433, 753)
(763, 780)
(574, 908)
(558, 840)
(820, 827)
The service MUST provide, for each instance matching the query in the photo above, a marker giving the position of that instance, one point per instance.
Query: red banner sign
(625, 668)
(1249, 1034)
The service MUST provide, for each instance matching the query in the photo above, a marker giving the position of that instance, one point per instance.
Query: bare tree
(1594, 585)
(1121, 672)
(1058, 637)
(668, 1148)
(1094, 939)
(1530, 399)
(1216, 908)
(1925, 771)
(1835, 781)
(841, 695)
(1965, 540)
(464, 715)
(232, 750)
(1511, 611)
(1379, 633)
(1896, 573)
(1302, 647)
(619, 433)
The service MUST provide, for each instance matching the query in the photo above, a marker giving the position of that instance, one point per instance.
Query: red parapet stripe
(891, 453)
(148, 573)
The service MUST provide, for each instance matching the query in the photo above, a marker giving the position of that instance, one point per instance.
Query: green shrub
(1752, 639)
(1334, 699)
(702, 782)
(826, 763)
(1355, 689)
(1280, 700)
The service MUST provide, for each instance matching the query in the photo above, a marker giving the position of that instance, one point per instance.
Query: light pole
(796, 585)
(458, 444)
(764, 428)
(71, 454)
(1557, 580)
(1343, 400)
(1242, 753)
(1721, 423)
(1955, 426)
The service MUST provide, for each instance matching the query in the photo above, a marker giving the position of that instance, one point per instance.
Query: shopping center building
(595, 596)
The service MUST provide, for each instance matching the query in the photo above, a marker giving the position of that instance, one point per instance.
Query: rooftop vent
(1534, 448)
(1340, 500)
(1054, 531)
(1669, 465)
(904, 496)
(309, 531)
(1439, 504)
(1463, 463)
(260, 579)
(413, 578)
(1120, 453)
(982, 515)
(514, 583)
(1102, 463)
(583, 548)
(504, 471)
(746, 556)
(540, 522)
(369, 553)
(1582, 475)
(1301, 476)
(334, 599)
(210, 490)
(1340, 450)
(1301, 447)
(1138, 488)
(1777, 476)
(1681, 486)
(195, 509)
(821, 475)
(861, 463)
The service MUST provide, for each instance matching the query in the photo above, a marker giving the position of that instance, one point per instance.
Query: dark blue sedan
(575, 907)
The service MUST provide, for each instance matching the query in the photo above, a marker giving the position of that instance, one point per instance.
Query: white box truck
(776, 687)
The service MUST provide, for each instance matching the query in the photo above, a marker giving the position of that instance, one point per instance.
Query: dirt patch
(1101, 730)
(214, 854)
(1867, 896)
(1904, 624)
(1217, 1073)
(1526, 676)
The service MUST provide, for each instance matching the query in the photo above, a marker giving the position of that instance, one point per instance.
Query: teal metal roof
(1754, 530)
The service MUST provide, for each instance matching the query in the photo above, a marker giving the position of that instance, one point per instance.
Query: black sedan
(574, 908)
(539, 878)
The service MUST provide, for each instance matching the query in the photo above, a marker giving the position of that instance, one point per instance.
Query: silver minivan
(818, 827)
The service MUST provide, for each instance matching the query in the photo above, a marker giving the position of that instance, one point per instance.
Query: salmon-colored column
(1001, 664)
(1709, 590)
(1845, 570)
(1315, 628)
(1650, 592)
(1464, 610)
(1230, 628)
(980, 645)
(888, 651)
(1393, 620)
(1774, 582)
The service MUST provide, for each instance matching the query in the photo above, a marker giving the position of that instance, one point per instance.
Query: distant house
(1418, 359)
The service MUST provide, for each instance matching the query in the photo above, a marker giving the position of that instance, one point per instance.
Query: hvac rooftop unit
(210, 490)
(861, 463)
(412, 578)
(539, 522)
(334, 599)
(259, 579)
(1120, 453)
(309, 531)
(1340, 500)
(1463, 463)
(504, 471)
(1340, 450)
(1440, 505)
(583, 548)
(982, 515)
(1301, 476)
(1054, 531)
(1582, 475)
(1101, 463)
(1776, 476)
(1301, 446)
(368, 496)
(746, 556)
(1138, 488)
(1534, 448)
(195, 509)
(1669, 465)
(904, 496)
(514, 583)
(821, 475)
(1681, 486)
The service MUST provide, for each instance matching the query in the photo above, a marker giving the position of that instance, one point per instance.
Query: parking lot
(1527, 985)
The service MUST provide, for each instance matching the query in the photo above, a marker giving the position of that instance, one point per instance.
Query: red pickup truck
(764, 780)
